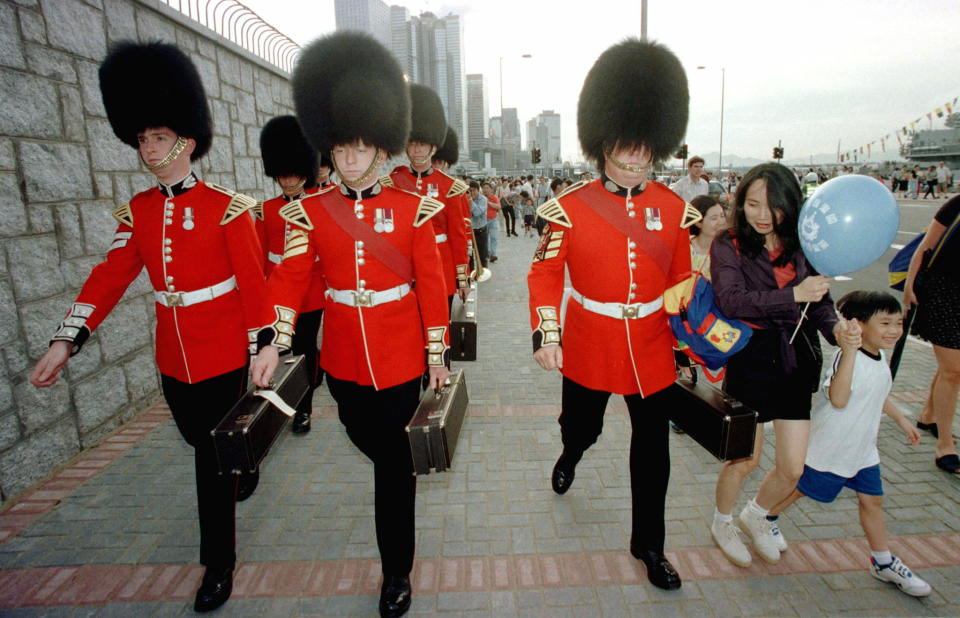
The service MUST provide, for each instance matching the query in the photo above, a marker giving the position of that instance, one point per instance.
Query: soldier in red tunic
(386, 319)
(199, 246)
(292, 162)
(624, 241)
(427, 133)
(447, 155)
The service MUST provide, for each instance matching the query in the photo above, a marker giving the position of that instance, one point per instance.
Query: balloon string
(803, 314)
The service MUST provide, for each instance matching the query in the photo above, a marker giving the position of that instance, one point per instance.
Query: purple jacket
(746, 289)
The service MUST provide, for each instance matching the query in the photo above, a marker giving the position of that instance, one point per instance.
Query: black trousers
(511, 216)
(581, 422)
(197, 408)
(305, 342)
(482, 242)
(375, 422)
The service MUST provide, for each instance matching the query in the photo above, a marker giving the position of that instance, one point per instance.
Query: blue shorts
(826, 486)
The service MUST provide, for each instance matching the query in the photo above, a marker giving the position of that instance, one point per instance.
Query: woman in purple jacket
(761, 276)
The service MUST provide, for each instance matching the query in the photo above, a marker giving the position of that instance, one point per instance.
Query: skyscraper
(477, 123)
(370, 16)
(548, 136)
(430, 50)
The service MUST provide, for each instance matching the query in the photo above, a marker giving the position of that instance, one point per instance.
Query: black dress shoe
(301, 422)
(248, 483)
(931, 427)
(394, 596)
(659, 570)
(562, 477)
(214, 590)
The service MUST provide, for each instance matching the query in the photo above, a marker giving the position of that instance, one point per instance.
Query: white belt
(368, 298)
(185, 299)
(441, 238)
(276, 258)
(618, 310)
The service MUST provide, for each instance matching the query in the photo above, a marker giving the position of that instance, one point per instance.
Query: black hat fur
(285, 151)
(427, 121)
(347, 86)
(450, 151)
(635, 95)
(149, 85)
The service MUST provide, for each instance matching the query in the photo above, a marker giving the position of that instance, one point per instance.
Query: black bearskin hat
(450, 151)
(286, 152)
(427, 121)
(347, 86)
(147, 85)
(634, 95)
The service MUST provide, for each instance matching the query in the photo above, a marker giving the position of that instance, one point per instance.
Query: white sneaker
(900, 574)
(727, 538)
(778, 536)
(758, 529)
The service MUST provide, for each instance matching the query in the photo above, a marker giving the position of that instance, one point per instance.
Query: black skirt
(938, 314)
(755, 376)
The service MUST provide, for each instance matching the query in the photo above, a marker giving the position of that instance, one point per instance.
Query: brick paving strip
(34, 503)
(97, 584)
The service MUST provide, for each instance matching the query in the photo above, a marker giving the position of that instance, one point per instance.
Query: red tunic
(273, 231)
(382, 345)
(452, 192)
(198, 341)
(624, 356)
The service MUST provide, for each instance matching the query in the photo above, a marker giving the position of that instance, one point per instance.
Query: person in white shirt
(691, 185)
(811, 177)
(943, 178)
(844, 426)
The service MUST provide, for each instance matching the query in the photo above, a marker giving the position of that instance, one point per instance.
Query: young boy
(844, 425)
(528, 213)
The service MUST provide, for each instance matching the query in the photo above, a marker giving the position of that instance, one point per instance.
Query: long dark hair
(784, 197)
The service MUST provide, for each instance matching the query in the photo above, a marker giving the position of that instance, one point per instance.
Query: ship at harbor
(935, 145)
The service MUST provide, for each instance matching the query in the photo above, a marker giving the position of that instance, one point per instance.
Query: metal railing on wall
(237, 23)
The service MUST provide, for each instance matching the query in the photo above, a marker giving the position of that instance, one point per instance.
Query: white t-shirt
(811, 177)
(942, 174)
(688, 189)
(844, 441)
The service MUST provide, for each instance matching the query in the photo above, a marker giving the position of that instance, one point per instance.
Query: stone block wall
(62, 171)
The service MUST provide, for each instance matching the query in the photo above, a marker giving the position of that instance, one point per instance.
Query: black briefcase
(243, 437)
(463, 327)
(435, 426)
(718, 422)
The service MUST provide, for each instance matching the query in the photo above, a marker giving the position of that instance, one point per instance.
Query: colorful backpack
(704, 334)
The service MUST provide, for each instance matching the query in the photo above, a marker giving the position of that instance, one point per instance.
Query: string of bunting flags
(898, 133)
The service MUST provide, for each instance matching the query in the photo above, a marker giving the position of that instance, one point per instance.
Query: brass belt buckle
(363, 298)
(174, 299)
(628, 311)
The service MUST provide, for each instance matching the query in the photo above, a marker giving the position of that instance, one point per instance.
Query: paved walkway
(114, 532)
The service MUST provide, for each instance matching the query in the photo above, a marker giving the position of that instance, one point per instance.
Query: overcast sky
(810, 73)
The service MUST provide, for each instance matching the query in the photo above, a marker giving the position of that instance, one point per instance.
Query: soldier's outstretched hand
(549, 357)
(263, 366)
(48, 367)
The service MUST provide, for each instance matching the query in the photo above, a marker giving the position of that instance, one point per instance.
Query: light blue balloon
(847, 224)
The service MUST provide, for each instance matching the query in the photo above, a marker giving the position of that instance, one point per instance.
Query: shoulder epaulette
(690, 215)
(574, 187)
(295, 213)
(427, 208)
(386, 181)
(124, 215)
(458, 188)
(258, 210)
(552, 211)
(239, 203)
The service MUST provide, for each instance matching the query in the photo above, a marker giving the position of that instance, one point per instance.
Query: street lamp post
(723, 84)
